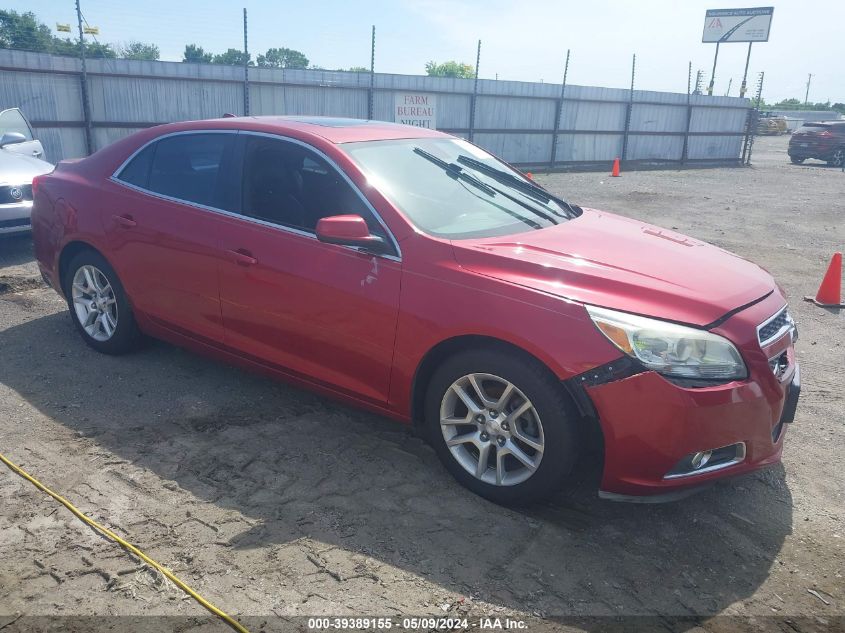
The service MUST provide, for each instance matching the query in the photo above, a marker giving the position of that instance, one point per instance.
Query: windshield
(450, 188)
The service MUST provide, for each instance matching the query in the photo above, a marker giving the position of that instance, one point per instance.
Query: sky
(524, 40)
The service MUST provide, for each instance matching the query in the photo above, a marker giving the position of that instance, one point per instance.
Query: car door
(13, 121)
(163, 220)
(323, 311)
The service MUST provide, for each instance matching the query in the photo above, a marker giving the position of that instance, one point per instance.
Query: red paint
(357, 326)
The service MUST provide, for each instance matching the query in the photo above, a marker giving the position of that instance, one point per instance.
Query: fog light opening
(708, 461)
(699, 460)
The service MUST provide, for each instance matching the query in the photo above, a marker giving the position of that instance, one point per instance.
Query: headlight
(671, 349)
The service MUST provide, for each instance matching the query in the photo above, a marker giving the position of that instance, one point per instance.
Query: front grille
(774, 327)
(6, 196)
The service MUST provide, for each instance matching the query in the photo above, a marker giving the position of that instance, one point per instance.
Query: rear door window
(187, 167)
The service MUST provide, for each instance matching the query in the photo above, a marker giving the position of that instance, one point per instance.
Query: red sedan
(414, 274)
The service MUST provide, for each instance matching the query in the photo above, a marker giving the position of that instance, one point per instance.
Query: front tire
(98, 305)
(502, 425)
(797, 161)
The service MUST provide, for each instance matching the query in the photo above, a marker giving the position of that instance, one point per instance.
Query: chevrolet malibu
(412, 273)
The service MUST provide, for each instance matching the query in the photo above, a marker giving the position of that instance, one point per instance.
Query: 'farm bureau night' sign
(417, 109)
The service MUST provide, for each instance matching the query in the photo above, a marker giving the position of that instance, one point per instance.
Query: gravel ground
(275, 503)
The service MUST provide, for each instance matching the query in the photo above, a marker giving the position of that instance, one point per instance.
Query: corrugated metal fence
(524, 123)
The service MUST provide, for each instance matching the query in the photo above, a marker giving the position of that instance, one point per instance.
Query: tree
(23, 31)
(138, 50)
(282, 58)
(93, 50)
(358, 69)
(232, 57)
(196, 55)
(450, 69)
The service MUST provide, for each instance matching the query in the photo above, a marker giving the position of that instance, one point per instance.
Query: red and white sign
(416, 108)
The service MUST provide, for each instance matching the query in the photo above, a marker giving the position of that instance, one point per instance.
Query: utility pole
(807, 94)
(730, 83)
(86, 107)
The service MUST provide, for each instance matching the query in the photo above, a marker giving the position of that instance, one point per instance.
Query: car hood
(615, 262)
(19, 169)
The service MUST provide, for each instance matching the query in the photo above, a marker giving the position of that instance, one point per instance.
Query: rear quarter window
(137, 171)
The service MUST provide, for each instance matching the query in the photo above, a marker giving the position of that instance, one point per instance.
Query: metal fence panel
(588, 147)
(521, 113)
(513, 119)
(592, 116)
(516, 148)
(143, 100)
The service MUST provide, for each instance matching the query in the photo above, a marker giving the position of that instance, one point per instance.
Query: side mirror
(350, 230)
(12, 138)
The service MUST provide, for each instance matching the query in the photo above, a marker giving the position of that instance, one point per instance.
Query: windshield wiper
(529, 189)
(456, 171)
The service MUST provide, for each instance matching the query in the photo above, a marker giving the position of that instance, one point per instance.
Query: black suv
(824, 140)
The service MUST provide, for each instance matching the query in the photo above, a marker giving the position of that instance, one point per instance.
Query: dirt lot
(275, 503)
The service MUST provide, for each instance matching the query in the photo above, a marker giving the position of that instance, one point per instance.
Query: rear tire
(98, 305)
(838, 158)
(508, 457)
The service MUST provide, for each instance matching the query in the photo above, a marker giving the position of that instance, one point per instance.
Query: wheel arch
(68, 252)
(456, 344)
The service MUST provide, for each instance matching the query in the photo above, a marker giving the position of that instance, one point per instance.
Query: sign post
(736, 25)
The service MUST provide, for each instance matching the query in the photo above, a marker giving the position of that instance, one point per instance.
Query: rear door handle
(125, 221)
(243, 257)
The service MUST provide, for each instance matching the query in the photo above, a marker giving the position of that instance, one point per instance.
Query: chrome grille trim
(775, 326)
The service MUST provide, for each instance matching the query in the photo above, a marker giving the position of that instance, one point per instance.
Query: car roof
(332, 129)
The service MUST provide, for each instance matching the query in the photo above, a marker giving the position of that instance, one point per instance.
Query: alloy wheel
(492, 429)
(94, 303)
(838, 158)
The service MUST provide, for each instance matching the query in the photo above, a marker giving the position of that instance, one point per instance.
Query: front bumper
(16, 217)
(649, 424)
(652, 426)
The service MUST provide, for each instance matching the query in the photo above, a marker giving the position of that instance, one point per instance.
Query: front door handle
(125, 221)
(243, 257)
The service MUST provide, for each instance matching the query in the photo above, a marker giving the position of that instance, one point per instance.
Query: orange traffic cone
(615, 172)
(830, 292)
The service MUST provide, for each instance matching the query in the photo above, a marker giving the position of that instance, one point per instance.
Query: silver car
(20, 161)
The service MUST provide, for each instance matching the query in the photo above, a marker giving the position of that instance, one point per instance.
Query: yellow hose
(127, 546)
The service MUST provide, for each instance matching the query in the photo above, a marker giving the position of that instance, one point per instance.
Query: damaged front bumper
(664, 440)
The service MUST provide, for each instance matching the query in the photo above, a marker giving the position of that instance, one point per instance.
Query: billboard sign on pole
(737, 25)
